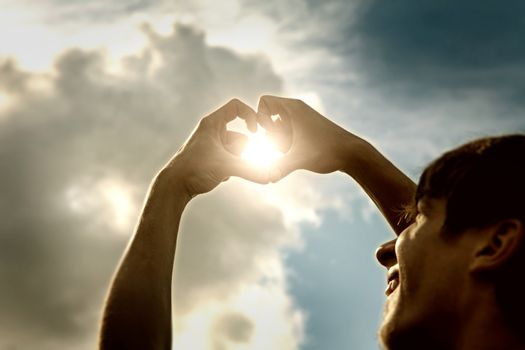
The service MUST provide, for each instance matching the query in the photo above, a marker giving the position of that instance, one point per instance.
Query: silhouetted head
(464, 253)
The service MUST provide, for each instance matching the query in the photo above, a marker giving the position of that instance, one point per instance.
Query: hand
(212, 153)
(311, 141)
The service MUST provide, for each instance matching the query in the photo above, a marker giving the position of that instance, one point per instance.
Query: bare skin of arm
(137, 313)
(390, 189)
(312, 142)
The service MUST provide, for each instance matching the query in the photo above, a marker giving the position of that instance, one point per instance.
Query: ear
(498, 244)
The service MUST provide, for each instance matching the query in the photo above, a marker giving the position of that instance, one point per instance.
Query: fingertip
(235, 142)
(275, 175)
(248, 114)
(284, 166)
(266, 121)
(262, 106)
(251, 124)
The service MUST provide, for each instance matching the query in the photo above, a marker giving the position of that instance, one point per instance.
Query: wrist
(171, 181)
(355, 152)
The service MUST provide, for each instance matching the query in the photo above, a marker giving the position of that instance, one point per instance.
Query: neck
(484, 328)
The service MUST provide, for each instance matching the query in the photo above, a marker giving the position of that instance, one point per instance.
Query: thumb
(284, 166)
(240, 168)
(235, 142)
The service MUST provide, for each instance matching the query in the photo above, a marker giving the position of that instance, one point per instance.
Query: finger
(284, 166)
(284, 121)
(240, 168)
(233, 136)
(269, 105)
(279, 131)
(235, 142)
(282, 139)
(266, 122)
(280, 106)
(236, 108)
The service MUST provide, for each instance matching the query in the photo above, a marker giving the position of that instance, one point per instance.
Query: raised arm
(314, 143)
(137, 313)
(390, 189)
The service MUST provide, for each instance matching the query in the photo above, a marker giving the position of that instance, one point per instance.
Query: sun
(260, 151)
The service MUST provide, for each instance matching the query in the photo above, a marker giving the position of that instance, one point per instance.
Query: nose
(386, 253)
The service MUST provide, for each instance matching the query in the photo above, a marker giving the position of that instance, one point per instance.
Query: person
(454, 269)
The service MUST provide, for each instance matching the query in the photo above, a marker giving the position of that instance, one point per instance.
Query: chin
(387, 334)
(396, 334)
(387, 329)
(394, 338)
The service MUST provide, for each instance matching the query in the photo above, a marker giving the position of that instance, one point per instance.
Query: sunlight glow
(260, 151)
(268, 311)
(109, 200)
(5, 101)
(119, 200)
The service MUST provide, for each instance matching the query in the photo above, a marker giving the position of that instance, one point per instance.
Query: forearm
(385, 184)
(138, 309)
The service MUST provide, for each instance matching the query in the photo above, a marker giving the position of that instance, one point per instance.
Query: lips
(392, 281)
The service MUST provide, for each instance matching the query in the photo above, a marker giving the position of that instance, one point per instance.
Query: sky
(95, 96)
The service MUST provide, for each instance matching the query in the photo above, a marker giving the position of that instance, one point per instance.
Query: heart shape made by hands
(259, 149)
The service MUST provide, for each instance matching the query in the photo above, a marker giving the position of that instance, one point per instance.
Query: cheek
(413, 261)
(405, 249)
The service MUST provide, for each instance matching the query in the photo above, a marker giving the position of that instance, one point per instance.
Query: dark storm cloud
(409, 49)
(403, 70)
(427, 45)
(55, 263)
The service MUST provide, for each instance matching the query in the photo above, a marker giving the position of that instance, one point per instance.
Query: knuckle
(234, 101)
(206, 122)
(267, 98)
(232, 106)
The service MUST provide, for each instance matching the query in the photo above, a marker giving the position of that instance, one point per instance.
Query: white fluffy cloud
(78, 147)
(80, 143)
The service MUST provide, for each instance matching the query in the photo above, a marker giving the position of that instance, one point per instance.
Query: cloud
(235, 327)
(79, 144)
(399, 73)
(405, 52)
(78, 147)
(94, 11)
(422, 48)
(256, 316)
(412, 101)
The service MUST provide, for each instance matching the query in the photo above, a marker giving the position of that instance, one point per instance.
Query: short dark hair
(483, 182)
